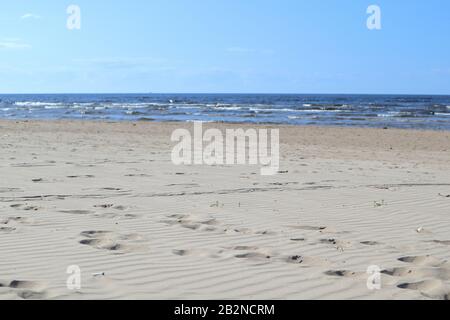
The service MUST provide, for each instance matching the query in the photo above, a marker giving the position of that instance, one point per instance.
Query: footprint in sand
(32, 295)
(243, 248)
(28, 290)
(104, 206)
(111, 206)
(207, 223)
(120, 208)
(422, 285)
(421, 267)
(422, 261)
(29, 285)
(15, 221)
(265, 232)
(260, 254)
(111, 189)
(344, 273)
(402, 272)
(247, 231)
(103, 244)
(308, 228)
(95, 234)
(338, 244)
(31, 208)
(231, 230)
(7, 229)
(427, 274)
(24, 207)
(306, 261)
(251, 253)
(198, 223)
(11, 219)
(78, 212)
(112, 215)
(298, 239)
(108, 215)
(370, 243)
(85, 176)
(238, 252)
(257, 256)
(419, 272)
(434, 289)
(201, 253)
(110, 241)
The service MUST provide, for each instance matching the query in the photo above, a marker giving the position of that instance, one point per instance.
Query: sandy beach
(106, 197)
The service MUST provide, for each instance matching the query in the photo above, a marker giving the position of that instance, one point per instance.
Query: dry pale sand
(106, 197)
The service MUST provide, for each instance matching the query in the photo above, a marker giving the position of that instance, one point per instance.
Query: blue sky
(256, 46)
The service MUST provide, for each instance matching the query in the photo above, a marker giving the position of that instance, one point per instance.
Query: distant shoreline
(222, 123)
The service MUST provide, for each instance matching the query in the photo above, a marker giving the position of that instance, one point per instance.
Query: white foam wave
(37, 104)
(272, 110)
(187, 107)
(229, 108)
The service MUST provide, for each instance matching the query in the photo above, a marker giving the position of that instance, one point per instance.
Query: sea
(381, 111)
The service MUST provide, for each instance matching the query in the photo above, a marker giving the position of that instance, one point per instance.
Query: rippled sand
(107, 198)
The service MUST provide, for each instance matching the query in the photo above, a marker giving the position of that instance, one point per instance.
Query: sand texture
(107, 198)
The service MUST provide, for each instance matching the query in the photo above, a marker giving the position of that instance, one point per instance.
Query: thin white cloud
(239, 50)
(13, 44)
(30, 16)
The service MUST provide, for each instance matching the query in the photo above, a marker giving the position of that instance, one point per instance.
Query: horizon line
(224, 93)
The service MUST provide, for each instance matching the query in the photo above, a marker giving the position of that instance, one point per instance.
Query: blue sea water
(394, 111)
